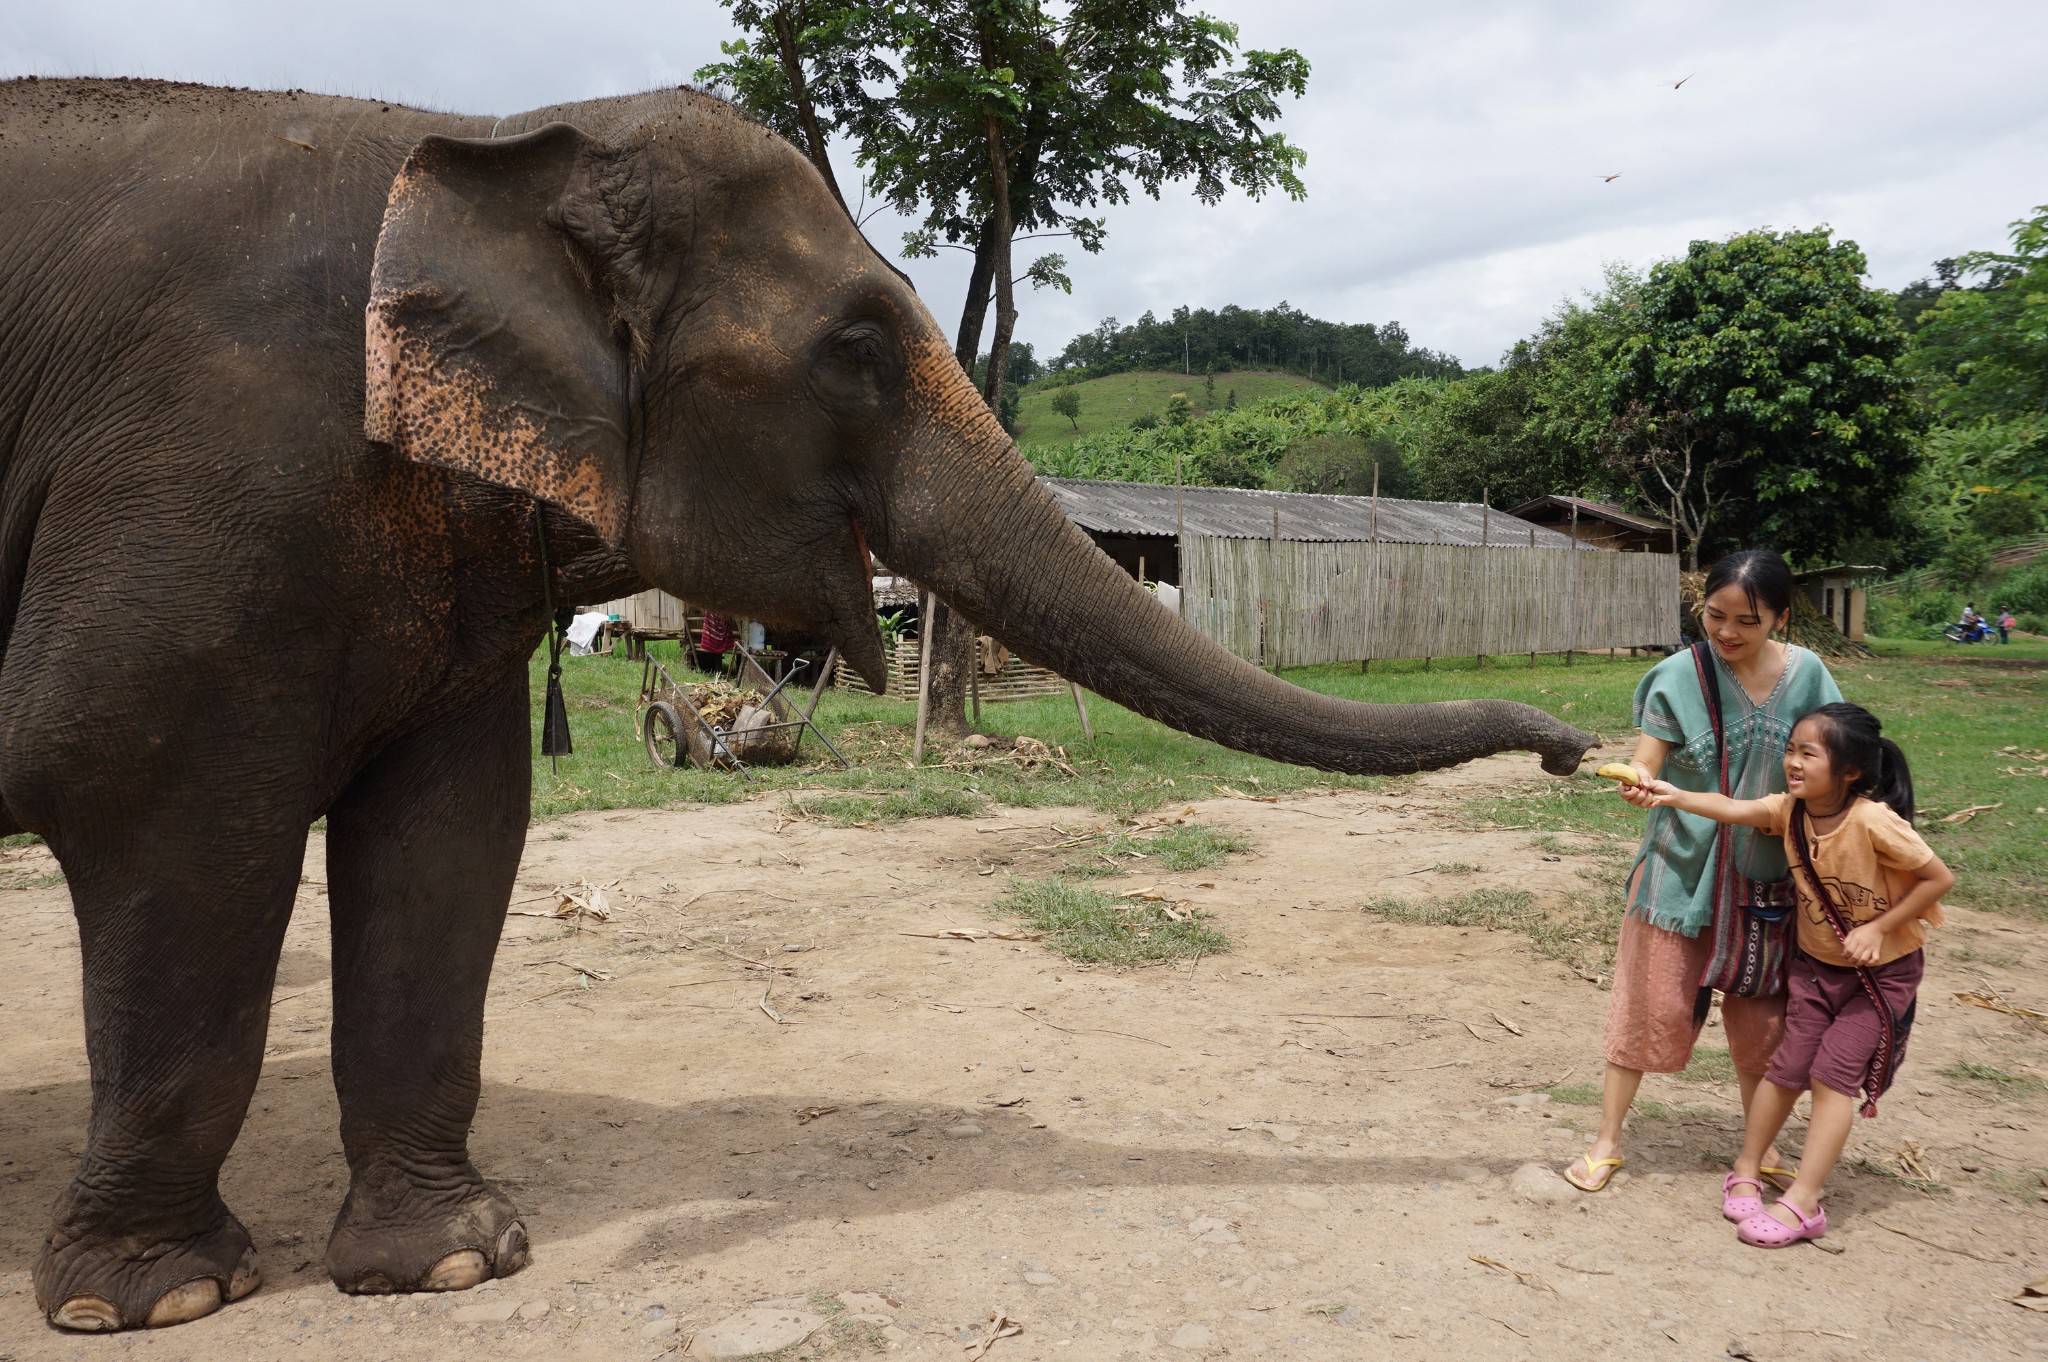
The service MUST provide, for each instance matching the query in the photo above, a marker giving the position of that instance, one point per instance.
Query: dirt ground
(1301, 1149)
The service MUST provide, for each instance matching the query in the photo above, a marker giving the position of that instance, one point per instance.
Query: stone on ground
(1535, 1183)
(758, 1330)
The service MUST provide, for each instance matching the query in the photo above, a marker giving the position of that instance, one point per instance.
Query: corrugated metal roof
(1604, 510)
(1247, 513)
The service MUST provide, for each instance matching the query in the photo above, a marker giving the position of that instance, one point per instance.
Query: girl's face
(1738, 629)
(1810, 772)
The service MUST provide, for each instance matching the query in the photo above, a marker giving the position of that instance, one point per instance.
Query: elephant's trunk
(976, 527)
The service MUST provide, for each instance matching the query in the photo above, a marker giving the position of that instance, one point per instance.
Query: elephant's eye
(855, 368)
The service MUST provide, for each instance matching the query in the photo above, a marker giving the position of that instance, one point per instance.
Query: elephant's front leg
(181, 913)
(422, 850)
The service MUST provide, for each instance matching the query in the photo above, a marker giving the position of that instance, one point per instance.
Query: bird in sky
(1610, 179)
(1682, 80)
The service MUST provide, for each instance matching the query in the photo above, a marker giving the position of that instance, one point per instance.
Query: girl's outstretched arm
(1657, 794)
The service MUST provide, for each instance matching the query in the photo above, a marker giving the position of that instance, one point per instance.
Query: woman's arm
(1649, 756)
(1658, 794)
(1865, 944)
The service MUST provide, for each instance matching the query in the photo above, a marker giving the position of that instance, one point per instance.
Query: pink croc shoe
(1735, 1208)
(1767, 1231)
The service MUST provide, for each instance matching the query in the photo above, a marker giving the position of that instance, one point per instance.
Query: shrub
(2024, 591)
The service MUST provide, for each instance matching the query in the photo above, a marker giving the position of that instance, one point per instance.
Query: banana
(1615, 770)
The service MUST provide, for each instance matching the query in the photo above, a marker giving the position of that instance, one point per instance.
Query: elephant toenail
(248, 1276)
(458, 1271)
(184, 1303)
(373, 1284)
(511, 1251)
(87, 1315)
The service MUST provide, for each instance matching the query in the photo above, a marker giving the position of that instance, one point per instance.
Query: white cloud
(1455, 150)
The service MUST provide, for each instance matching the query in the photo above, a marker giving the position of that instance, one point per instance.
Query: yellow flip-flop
(1780, 1178)
(1593, 1167)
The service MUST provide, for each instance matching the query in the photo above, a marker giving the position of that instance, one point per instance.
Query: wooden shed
(1142, 523)
(1839, 592)
(1598, 524)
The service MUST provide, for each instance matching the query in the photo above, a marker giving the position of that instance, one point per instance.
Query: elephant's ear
(502, 320)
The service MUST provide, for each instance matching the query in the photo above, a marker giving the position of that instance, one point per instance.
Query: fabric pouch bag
(1752, 918)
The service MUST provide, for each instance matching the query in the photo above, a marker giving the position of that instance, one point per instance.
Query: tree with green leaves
(1983, 350)
(1764, 390)
(992, 121)
(1067, 402)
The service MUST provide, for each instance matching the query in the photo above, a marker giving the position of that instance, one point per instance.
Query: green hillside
(1113, 402)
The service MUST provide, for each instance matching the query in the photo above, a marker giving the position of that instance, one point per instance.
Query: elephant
(313, 412)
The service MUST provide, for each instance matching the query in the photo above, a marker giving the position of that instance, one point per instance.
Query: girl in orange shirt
(1868, 889)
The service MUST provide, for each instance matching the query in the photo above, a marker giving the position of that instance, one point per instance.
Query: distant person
(1971, 619)
(2006, 624)
(1862, 930)
(1682, 901)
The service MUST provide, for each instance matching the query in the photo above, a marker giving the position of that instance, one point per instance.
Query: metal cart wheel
(662, 731)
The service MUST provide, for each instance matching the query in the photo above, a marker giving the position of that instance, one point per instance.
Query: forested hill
(1201, 341)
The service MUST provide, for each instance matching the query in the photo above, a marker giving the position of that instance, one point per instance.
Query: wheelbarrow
(771, 733)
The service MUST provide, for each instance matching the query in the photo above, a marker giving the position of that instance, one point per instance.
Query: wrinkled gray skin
(225, 612)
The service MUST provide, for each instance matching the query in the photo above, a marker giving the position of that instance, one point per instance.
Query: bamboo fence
(1272, 601)
(1018, 679)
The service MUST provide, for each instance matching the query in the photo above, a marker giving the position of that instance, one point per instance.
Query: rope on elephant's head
(494, 129)
(554, 724)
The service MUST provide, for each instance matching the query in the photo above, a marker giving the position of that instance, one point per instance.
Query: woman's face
(1738, 628)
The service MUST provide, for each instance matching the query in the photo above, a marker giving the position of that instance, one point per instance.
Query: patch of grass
(1991, 1079)
(1580, 934)
(1968, 953)
(1865, 1164)
(1709, 1066)
(1185, 847)
(1114, 400)
(1456, 868)
(861, 810)
(1576, 1094)
(1096, 928)
(23, 878)
(19, 839)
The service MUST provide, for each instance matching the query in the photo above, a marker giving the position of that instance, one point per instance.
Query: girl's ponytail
(1894, 779)
(1855, 742)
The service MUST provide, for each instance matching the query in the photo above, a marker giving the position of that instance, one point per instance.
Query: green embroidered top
(1676, 891)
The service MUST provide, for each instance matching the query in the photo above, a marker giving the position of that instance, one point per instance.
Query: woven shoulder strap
(1884, 1065)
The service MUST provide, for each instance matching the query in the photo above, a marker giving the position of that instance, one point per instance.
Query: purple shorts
(1831, 1026)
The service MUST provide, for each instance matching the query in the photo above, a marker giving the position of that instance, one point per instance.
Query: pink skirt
(1650, 1025)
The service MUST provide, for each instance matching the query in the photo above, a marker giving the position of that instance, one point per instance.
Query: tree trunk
(954, 656)
(800, 96)
(974, 312)
(1006, 298)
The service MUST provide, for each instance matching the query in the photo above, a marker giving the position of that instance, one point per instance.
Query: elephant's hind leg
(180, 919)
(422, 850)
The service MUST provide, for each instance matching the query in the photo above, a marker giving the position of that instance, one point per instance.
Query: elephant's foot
(134, 1282)
(393, 1235)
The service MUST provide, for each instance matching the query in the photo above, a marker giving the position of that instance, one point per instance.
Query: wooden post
(1081, 708)
(1429, 635)
(1141, 569)
(1532, 568)
(1485, 568)
(974, 678)
(924, 679)
(1273, 591)
(1365, 663)
(1571, 591)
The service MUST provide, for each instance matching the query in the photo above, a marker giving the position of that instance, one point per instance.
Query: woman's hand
(1650, 794)
(1864, 944)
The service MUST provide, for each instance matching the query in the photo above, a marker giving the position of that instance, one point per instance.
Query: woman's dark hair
(1761, 575)
(1855, 742)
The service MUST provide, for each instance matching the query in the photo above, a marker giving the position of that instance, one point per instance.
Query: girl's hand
(1864, 944)
(1651, 794)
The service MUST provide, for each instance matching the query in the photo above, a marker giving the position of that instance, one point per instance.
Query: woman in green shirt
(1766, 686)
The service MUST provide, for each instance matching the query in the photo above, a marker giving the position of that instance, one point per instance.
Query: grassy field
(1113, 402)
(1974, 722)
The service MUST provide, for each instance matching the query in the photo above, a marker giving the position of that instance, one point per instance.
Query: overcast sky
(1456, 151)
